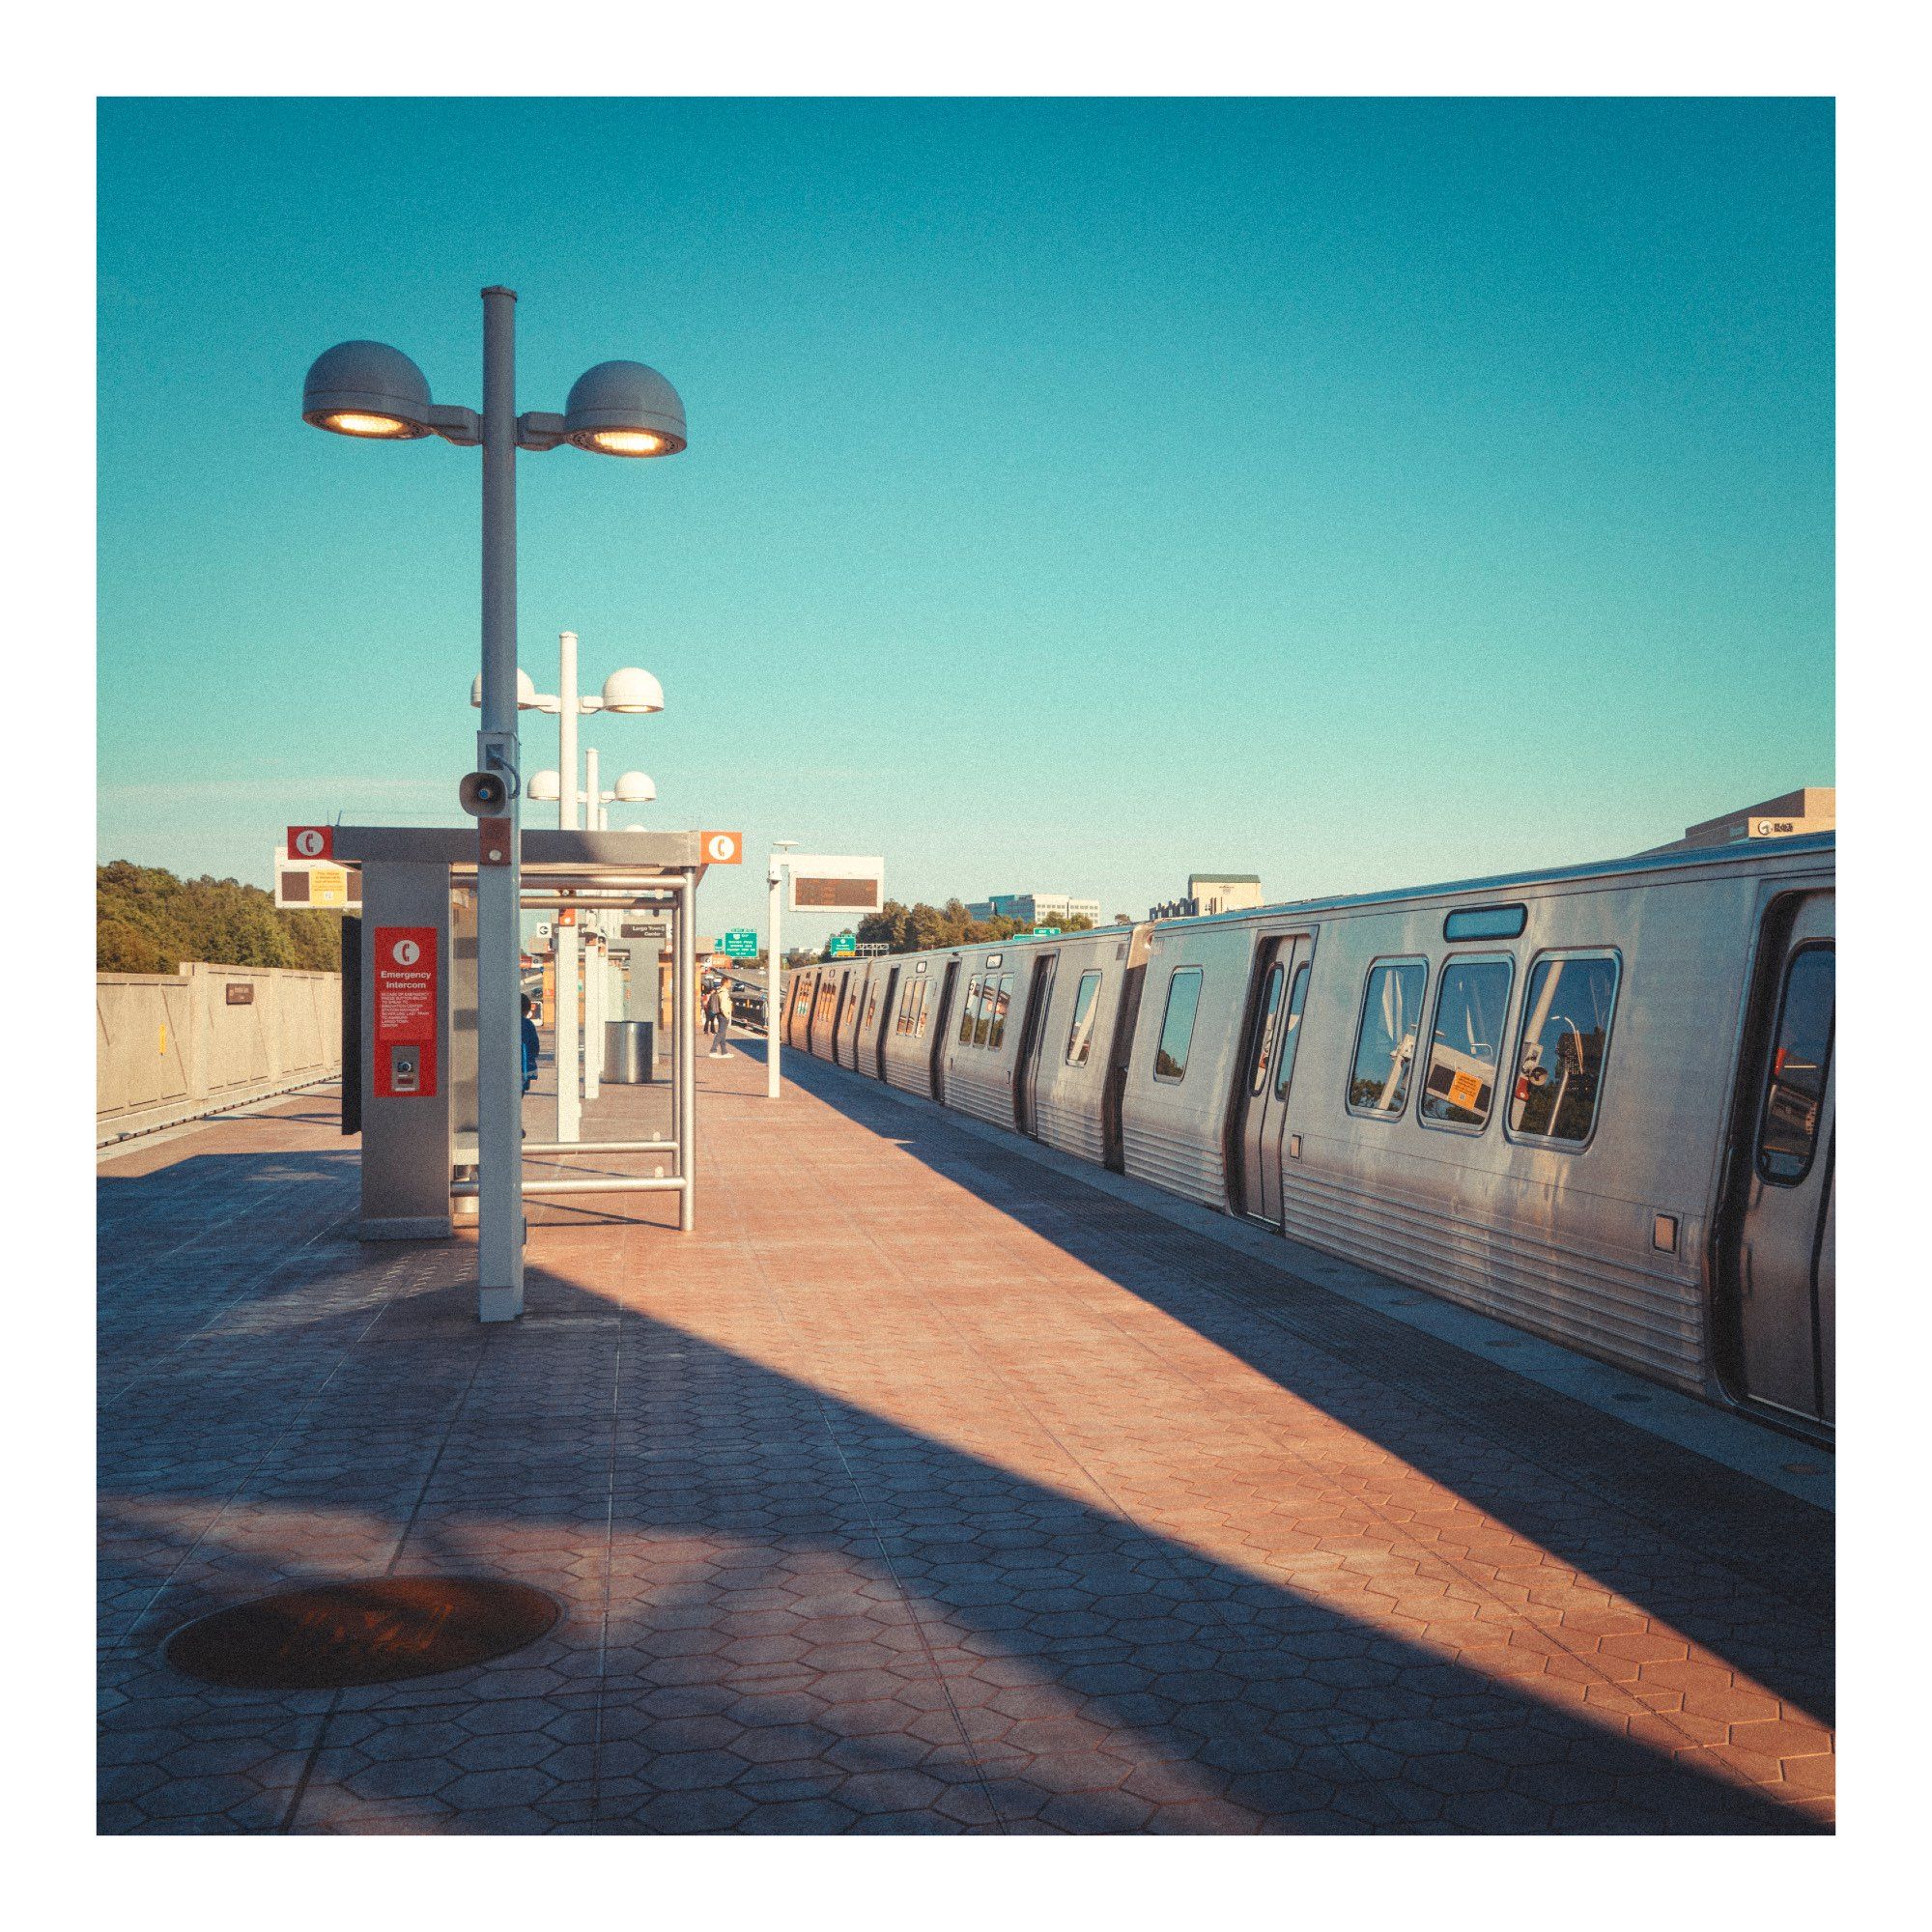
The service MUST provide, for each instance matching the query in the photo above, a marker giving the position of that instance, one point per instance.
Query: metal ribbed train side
(1642, 1317)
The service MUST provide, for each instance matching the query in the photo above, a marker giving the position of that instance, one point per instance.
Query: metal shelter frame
(416, 878)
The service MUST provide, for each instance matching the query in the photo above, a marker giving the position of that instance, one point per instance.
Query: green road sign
(1043, 933)
(740, 943)
(844, 944)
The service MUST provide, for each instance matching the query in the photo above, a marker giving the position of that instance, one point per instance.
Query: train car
(1042, 1033)
(914, 1029)
(1597, 1102)
(860, 999)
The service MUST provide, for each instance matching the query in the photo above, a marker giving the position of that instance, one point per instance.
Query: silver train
(1595, 1104)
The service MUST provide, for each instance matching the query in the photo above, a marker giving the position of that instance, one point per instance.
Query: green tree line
(148, 921)
(920, 928)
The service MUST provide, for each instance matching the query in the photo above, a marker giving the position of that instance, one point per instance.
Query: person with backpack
(718, 1018)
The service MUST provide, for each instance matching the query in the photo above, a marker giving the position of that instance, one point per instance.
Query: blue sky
(1080, 493)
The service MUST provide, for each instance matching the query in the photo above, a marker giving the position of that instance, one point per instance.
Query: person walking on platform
(718, 1020)
(531, 1046)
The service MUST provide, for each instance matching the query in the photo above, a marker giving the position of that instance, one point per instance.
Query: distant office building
(1210, 893)
(1224, 892)
(1035, 909)
(1812, 809)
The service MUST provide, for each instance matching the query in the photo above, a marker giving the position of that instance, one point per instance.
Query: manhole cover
(333, 1634)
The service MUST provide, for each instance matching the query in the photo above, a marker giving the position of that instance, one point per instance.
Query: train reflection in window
(1559, 1063)
(969, 1010)
(1801, 1059)
(1471, 1007)
(1264, 1029)
(1080, 1036)
(1177, 1025)
(1385, 1045)
(998, 997)
(1290, 1032)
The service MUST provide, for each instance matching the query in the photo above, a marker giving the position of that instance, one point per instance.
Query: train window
(999, 999)
(1265, 1026)
(1290, 1032)
(969, 1009)
(919, 1019)
(1559, 1060)
(1080, 1035)
(1503, 921)
(1385, 1045)
(1459, 1085)
(1801, 1060)
(1177, 1025)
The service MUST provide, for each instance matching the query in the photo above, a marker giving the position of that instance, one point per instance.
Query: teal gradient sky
(1080, 493)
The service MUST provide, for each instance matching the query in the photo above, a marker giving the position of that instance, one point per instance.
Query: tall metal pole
(499, 1105)
(684, 1034)
(593, 952)
(569, 1038)
(773, 984)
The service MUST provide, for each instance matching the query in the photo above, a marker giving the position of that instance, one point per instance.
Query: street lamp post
(371, 391)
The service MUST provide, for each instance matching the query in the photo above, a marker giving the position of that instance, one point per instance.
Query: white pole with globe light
(626, 691)
(773, 969)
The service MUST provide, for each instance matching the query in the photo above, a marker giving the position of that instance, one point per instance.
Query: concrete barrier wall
(172, 1048)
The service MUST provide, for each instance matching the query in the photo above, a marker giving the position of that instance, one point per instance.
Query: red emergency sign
(408, 1005)
(311, 841)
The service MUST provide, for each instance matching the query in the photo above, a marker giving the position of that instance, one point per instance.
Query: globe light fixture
(528, 698)
(632, 690)
(624, 409)
(635, 789)
(367, 389)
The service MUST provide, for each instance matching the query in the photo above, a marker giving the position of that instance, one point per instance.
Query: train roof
(1744, 853)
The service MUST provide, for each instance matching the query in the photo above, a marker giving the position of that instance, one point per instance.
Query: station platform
(925, 1487)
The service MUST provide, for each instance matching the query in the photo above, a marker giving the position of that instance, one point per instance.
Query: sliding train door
(1266, 1069)
(1026, 1070)
(942, 1020)
(886, 1007)
(1781, 1269)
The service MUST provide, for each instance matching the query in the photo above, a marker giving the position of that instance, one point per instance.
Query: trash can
(628, 1052)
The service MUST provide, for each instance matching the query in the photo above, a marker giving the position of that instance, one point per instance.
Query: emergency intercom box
(404, 1074)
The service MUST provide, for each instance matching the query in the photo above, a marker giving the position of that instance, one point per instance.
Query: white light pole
(616, 409)
(625, 691)
(774, 972)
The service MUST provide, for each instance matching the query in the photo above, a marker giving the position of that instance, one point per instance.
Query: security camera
(484, 794)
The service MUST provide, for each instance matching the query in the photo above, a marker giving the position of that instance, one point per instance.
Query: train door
(1025, 1067)
(1266, 1068)
(1782, 1272)
(888, 1004)
(941, 1020)
(850, 996)
(1113, 1094)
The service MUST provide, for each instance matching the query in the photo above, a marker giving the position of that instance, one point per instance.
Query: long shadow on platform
(819, 1618)
(1661, 1526)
